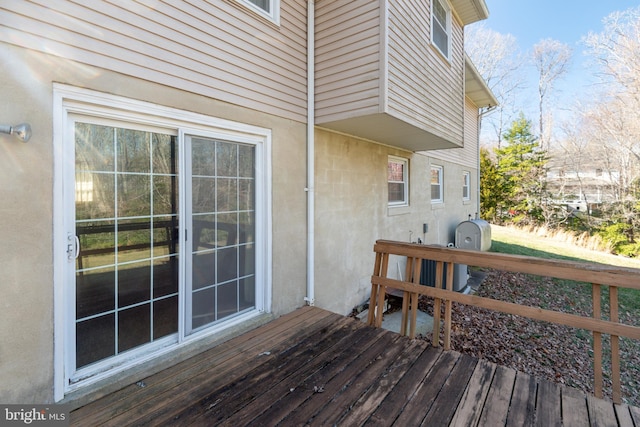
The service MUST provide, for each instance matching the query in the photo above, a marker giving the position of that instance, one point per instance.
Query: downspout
(310, 298)
(479, 190)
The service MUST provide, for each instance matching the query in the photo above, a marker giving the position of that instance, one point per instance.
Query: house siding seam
(224, 51)
(425, 89)
(347, 58)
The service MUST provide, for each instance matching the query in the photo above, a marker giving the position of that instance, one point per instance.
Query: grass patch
(513, 241)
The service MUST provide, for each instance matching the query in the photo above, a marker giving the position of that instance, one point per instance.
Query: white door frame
(71, 100)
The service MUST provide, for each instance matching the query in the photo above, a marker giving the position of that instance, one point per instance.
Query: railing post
(615, 346)
(447, 308)
(406, 300)
(597, 343)
(437, 305)
(413, 302)
(371, 317)
(376, 303)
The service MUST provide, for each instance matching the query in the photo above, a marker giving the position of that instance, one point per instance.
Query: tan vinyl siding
(218, 49)
(467, 155)
(424, 88)
(348, 74)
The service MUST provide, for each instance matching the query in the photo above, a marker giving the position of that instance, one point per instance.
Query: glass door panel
(221, 268)
(126, 217)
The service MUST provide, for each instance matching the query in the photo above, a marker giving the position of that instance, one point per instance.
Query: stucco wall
(26, 221)
(352, 213)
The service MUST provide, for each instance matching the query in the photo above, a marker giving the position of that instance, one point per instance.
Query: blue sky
(564, 20)
(567, 21)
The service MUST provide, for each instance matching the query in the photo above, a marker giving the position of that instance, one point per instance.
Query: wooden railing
(596, 274)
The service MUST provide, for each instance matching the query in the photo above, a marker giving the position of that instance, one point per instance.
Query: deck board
(574, 408)
(312, 367)
(470, 407)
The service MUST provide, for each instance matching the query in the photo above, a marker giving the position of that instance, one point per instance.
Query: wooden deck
(312, 367)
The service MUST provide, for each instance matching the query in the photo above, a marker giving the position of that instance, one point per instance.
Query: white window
(436, 184)
(398, 181)
(268, 8)
(441, 26)
(466, 185)
(161, 230)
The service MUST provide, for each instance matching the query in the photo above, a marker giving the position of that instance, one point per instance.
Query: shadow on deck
(318, 368)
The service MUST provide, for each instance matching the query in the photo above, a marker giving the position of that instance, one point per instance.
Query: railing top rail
(562, 269)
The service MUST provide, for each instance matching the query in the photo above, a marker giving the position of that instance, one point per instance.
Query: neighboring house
(175, 190)
(578, 186)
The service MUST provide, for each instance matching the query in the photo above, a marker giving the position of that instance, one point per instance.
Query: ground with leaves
(544, 350)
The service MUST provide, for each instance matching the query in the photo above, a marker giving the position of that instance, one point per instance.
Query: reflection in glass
(165, 154)
(247, 260)
(119, 172)
(95, 195)
(97, 240)
(246, 158)
(227, 159)
(165, 317)
(227, 264)
(246, 195)
(227, 299)
(227, 229)
(133, 150)
(204, 303)
(204, 232)
(247, 227)
(134, 239)
(134, 195)
(203, 191)
(94, 147)
(165, 194)
(203, 157)
(227, 194)
(134, 327)
(204, 269)
(95, 291)
(134, 283)
(95, 339)
(165, 276)
(247, 297)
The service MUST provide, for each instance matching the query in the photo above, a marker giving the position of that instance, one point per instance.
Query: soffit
(470, 11)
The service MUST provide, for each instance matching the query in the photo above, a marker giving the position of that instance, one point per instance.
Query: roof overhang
(475, 88)
(386, 129)
(470, 11)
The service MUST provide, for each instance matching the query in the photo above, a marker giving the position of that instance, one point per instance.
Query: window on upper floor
(268, 8)
(466, 186)
(441, 26)
(437, 182)
(398, 181)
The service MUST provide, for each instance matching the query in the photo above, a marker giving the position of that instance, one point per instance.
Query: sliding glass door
(221, 211)
(164, 238)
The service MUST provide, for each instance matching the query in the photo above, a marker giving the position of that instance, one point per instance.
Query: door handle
(73, 247)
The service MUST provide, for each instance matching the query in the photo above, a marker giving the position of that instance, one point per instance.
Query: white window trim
(447, 7)
(440, 183)
(69, 100)
(405, 180)
(274, 15)
(466, 177)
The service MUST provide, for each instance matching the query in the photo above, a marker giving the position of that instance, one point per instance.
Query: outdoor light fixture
(21, 131)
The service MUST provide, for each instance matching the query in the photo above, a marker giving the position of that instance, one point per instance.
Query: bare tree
(615, 50)
(497, 59)
(552, 59)
(615, 120)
